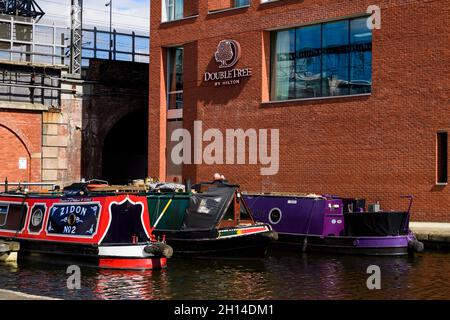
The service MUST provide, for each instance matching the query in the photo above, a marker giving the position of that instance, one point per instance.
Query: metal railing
(24, 40)
(123, 47)
(21, 185)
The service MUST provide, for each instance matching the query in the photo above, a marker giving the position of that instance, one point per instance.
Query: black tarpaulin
(206, 209)
(375, 223)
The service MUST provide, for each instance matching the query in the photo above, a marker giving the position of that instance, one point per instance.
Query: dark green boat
(212, 221)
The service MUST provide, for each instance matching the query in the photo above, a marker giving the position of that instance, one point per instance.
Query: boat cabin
(208, 206)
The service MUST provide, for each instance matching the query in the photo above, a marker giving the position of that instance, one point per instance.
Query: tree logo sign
(228, 53)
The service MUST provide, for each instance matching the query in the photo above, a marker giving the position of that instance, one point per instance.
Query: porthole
(71, 219)
(275, 216)
(36, 218)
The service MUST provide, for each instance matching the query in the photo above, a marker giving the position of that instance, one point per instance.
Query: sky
(128, 15)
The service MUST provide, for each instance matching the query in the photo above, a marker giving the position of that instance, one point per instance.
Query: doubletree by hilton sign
(227, 55)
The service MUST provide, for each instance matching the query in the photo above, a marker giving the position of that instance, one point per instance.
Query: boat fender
(415, 246)
(9, 246)
(272, 235)
(4, 248)
(159, 249)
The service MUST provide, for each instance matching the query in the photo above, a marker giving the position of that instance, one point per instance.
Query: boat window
(3, 214)
(37, 218)
(229, 215)
(275, 215)
(244, 214)
(12, 216)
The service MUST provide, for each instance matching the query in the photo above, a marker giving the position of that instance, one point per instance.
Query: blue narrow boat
(334, 224)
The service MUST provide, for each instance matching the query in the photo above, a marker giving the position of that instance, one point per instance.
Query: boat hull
(317, 223)
(373, 246)
(106, 231)
(224, 245)
(130, 257)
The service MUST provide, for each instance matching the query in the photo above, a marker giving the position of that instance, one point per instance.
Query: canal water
(282, 275)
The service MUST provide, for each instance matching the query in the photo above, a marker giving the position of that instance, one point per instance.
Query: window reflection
(308, 62)
(175, 78)
(329, 59)
(241, 3)
(360, 57)
(174, 9)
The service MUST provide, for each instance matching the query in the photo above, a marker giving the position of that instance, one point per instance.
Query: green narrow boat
(213, 221)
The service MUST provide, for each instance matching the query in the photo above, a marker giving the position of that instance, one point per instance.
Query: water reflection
(283, 275)
(117, 284)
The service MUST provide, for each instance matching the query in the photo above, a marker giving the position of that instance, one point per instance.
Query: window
(322, 60)
(221, 5)
(4, 208)
(173, 10)
(442, 158)
(175, 78)
(244, 214)
(241, 3)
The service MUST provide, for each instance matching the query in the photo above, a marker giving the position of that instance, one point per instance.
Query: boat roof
(285, 194)
(206, 209)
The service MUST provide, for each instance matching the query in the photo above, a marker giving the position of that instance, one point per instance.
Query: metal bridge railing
(27, 41)
(124, 46)
(24, 40)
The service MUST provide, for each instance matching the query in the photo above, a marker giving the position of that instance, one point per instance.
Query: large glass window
(174, 9)
(360, 57)
(175, 78)
(329, 59)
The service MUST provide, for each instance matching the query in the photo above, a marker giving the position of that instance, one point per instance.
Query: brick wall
(378, 147)
(219, 4)
(20, 138)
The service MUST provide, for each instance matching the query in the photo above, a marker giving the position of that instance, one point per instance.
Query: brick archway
(19, 134)
(125, 148)
(15, 158)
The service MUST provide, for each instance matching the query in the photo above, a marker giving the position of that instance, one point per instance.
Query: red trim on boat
(252, 230)
(140, 263)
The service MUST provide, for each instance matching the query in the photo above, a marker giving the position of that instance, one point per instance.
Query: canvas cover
(206, 209)
(376, 223)
(175, 213)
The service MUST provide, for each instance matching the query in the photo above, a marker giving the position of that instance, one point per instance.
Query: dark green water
(284, 275)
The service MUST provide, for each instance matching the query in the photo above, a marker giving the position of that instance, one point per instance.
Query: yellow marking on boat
(162, 213)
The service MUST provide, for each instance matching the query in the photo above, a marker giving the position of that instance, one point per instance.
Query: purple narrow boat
(334, 224)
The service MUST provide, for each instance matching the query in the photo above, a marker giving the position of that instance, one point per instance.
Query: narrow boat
(334, 224)
(213, 220)
(108, 230)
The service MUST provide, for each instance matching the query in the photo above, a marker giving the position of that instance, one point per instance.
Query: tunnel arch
(124, 151)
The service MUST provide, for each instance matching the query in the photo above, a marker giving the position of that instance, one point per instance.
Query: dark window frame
(442, 157)
(179, 102)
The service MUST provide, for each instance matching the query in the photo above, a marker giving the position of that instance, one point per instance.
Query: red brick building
(360, 112)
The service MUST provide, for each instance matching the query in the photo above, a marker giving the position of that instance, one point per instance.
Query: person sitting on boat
(218, 178)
